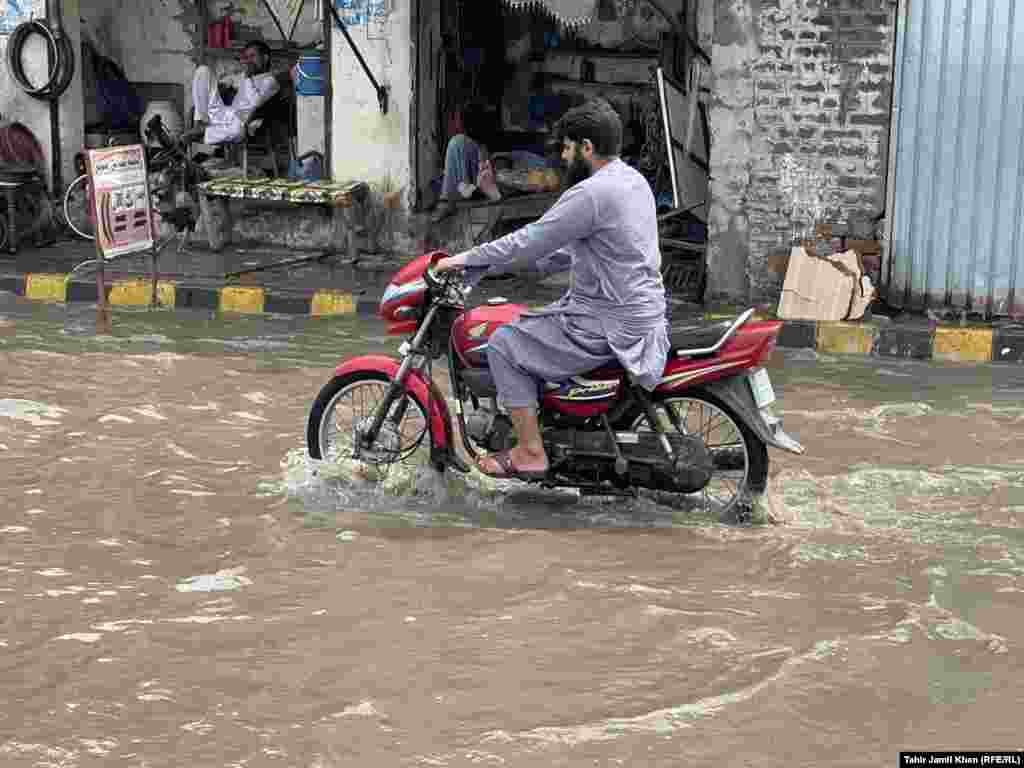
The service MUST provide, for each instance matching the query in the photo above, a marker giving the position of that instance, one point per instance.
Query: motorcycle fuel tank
(471, 332)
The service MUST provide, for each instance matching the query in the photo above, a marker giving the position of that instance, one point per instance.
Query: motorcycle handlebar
(465, 279)
(431, 276)
(443, 280)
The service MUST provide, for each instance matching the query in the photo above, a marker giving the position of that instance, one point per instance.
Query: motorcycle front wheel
(346, 405)
(740, 457)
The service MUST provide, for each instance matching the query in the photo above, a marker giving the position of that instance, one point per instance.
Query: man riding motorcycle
(605, 229)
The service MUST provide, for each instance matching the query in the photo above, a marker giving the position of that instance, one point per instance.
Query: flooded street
(181, 586)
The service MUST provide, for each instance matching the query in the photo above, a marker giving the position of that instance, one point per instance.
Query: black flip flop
(510, 472)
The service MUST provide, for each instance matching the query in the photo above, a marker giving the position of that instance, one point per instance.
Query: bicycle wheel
(78, 208)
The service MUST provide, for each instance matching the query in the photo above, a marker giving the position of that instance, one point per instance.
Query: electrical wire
(60, 52)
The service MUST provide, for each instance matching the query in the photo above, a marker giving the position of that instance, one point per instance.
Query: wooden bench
(215, 197)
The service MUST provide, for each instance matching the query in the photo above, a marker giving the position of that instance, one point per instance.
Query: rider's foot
(516, 462)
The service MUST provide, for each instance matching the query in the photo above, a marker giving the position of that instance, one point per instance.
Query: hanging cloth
(571, 13)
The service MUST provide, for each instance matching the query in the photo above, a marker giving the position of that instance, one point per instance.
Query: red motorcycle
(705, 429)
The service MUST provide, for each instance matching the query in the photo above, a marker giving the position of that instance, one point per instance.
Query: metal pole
(417, 36)
(382, 93)
(103, 320)
(103, 324)
(52, 59)
(155, 299)
(328, 27)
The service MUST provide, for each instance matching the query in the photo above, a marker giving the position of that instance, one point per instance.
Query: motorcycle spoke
(353, 408)
(712, 424)
(686, 415)
(724, 441)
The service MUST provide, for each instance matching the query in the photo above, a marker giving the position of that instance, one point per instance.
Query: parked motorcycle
(704, 430)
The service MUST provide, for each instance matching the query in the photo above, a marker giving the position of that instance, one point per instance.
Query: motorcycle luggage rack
(721, 342)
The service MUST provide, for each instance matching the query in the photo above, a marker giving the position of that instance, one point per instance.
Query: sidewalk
(195, 279)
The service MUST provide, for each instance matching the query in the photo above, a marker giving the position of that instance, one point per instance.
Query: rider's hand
(450, 263)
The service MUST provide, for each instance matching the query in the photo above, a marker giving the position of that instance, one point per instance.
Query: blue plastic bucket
(310, 70)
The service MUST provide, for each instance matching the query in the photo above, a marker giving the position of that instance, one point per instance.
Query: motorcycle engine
(490, 429)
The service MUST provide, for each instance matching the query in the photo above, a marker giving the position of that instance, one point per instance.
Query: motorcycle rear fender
(424, 390)
(735, 392)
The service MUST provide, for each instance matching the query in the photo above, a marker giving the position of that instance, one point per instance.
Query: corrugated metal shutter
(958, 196)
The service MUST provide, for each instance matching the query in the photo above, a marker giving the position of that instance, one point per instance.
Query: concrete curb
(58, 288)
(972, 344)
(952, 344)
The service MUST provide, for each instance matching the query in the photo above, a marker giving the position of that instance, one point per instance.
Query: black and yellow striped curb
(953, 344)
(229, 299)
(972, 344)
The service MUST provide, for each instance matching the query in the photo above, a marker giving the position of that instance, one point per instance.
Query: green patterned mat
(337, 195)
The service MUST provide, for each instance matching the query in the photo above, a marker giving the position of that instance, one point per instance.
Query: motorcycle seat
(696, 337)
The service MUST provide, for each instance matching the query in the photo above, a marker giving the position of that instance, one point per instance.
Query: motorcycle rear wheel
(345, 403)
(740, 457)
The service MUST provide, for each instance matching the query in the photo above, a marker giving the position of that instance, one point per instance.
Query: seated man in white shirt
(220, 123)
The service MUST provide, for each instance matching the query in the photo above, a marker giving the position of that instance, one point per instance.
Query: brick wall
(800, 113)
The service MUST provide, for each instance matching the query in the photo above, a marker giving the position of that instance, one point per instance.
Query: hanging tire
(60, 52)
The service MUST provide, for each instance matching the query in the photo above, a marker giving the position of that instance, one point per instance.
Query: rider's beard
(578, 169)
(254, 68)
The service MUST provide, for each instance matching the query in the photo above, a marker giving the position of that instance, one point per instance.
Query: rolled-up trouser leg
(537, 349)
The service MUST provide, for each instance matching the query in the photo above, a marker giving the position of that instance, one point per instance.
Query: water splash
(412, 493)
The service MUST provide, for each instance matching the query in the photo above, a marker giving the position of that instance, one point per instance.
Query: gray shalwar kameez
(605, 229)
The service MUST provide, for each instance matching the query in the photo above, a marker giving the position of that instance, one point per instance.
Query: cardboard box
(863, 247)
(870, 253)
(778, 263)
(863, 290)
(829, 289)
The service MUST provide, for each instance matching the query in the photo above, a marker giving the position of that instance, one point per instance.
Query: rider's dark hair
(261, 47)
(596, 120)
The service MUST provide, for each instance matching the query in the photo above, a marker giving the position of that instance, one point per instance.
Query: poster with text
(120, 200)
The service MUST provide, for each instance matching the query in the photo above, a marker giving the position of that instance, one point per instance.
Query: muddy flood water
(181, 586)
